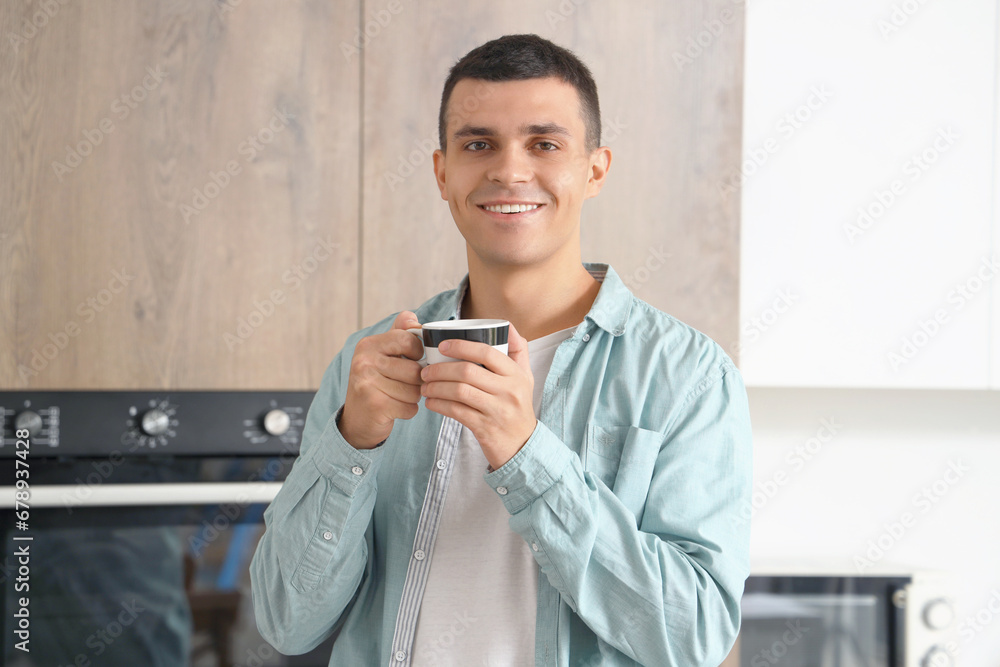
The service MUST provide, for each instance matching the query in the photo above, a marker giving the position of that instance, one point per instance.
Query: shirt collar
(614, 300)
(610, 310)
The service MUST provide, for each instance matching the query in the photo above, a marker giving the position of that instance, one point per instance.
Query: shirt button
(328, 535)
(441, 464)
(357, 470)
(502, 490)
(534, 546)
(400, 656)
(419, 554)
(586, 337)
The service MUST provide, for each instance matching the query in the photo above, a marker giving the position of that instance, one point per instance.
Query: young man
(573, 503)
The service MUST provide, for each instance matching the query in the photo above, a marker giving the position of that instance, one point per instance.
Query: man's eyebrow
(545, 128)
(471, 131)
(529, 129)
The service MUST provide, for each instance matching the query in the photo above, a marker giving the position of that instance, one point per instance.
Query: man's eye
(547, 145)
(473, 144)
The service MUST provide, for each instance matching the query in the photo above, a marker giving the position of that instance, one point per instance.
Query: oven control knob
(938, 614)
(155, 422)
(28, 420)
(277, 421)
(937, 657)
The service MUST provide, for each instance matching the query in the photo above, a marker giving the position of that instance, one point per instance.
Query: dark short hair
(519, 57)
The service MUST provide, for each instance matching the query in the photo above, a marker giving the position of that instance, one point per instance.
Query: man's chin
(498, 258)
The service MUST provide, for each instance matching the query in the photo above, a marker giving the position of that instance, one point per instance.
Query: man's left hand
(494, 402)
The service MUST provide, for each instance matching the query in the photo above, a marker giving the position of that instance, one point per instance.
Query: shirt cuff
(343, 464)
(539, 464)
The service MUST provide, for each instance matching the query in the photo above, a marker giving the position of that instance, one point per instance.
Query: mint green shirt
(628, 493)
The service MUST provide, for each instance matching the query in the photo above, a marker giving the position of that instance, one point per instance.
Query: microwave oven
(839, 618)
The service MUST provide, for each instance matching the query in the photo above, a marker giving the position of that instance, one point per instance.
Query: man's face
(522, 143)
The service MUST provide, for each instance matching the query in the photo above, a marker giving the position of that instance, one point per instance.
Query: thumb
(405, 320)
(517, 348)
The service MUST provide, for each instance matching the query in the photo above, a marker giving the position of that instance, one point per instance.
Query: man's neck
(538, 300)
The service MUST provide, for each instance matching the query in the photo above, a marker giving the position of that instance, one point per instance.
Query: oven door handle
(132, 495)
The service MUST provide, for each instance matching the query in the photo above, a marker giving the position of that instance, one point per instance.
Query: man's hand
(494, 402)
(383, 385)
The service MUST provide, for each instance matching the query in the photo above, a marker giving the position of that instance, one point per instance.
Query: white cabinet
(995, 326)
(869, 257)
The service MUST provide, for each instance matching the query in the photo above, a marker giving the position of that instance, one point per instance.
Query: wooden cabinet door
(179, 193)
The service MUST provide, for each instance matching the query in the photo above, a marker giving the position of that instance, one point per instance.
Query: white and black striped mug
(492, 332)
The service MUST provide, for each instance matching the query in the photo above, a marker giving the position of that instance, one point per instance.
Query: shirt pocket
(623, 458)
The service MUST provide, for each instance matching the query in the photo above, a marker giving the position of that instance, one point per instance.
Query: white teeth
(511, 208)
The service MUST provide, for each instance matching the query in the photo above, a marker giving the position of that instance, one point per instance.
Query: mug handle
(420, 336)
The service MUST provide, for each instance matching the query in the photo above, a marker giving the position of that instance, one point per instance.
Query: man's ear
(598, 168)
(438, 160)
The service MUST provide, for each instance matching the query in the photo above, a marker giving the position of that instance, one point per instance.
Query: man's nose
(510, 165)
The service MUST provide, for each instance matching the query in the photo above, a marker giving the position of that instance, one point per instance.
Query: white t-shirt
(481, 596)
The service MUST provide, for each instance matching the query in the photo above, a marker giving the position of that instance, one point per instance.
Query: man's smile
(509, 210)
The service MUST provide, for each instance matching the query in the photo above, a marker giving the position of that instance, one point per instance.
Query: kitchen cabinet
(995, 324)
(215, 195)
(179, 193)
(869, 252)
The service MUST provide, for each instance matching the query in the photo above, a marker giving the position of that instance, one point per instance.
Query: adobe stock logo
(702, 41)
(565, 9)
(249, 149)
(295, 276)
(755, 158)
(899, 16)
(796, 459)
(779, 648)
(655, 260)
(47, 10)
(913, 169)
(926, 329)
(373, 28)
(122, 107)
(59, 339)
(924, 500)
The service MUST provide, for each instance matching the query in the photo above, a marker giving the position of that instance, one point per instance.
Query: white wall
(886, 447)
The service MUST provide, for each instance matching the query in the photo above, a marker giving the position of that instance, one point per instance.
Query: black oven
(129, 520)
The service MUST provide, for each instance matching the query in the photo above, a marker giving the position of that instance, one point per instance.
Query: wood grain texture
(200, 249)
(673, 126)
(163, 97)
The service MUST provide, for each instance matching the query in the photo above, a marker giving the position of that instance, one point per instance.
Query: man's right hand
(384, 384)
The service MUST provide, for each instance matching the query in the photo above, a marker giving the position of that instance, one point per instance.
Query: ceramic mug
(492, 332)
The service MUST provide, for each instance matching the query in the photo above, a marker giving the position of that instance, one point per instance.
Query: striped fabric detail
(427, 529)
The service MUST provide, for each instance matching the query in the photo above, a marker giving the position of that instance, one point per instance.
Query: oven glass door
(153, 585)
